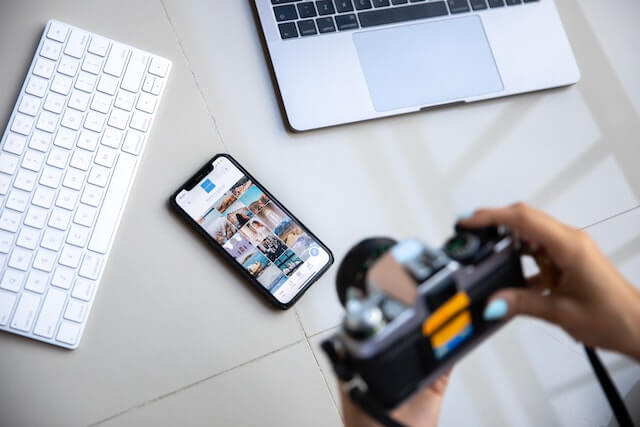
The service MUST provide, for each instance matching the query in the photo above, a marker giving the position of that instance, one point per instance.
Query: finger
(523, 301)
(531, 224)
(538, 282)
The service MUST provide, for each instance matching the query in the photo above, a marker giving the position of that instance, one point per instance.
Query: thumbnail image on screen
(272, 247)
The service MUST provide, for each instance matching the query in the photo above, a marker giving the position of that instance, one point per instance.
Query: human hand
(422, 409)
(578, 288)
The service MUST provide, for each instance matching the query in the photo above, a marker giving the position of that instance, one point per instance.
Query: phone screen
(275, 249)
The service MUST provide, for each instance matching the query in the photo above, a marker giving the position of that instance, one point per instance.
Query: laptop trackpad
(428, 63)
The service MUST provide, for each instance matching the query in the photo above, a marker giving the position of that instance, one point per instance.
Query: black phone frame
(195, 179)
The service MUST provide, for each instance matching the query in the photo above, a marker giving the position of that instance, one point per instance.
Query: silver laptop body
(394, 59)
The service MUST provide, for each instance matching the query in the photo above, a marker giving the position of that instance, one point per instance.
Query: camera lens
(462, 247)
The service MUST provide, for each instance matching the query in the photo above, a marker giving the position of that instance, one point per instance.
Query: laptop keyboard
(298, 18)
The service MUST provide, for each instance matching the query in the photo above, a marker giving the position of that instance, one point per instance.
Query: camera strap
(371, 407)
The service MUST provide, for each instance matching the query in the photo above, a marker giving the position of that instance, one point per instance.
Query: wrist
(632, 340)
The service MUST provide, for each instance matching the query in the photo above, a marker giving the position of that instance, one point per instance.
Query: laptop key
(496, 3)
(326, 25)
(458, 6)
(346, 22)
(306, 10)
(288, 30)
(285, 13)
(478, 4)
(283, 1)
(344, 6)
(363, 4)
(307, 27)
(380, 3)
(375, 17)
(399, 1)
(325, 7)
(513, 2)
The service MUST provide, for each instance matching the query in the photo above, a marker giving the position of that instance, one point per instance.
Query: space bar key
(393, 15)
(113, 203)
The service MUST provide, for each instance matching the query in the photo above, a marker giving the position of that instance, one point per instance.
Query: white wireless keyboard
(69, 155)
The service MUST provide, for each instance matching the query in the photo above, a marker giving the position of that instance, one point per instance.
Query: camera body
(412, 311)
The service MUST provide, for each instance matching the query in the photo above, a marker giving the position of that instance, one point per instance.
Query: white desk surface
(176, 338)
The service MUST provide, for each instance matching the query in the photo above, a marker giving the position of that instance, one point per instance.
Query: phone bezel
(197, 177)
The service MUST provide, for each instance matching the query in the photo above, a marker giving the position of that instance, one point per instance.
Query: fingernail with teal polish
(465, 215)
(497, 309)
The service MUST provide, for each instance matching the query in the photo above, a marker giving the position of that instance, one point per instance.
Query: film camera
(412, 311)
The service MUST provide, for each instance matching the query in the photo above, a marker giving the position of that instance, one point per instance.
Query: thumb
(507, 303)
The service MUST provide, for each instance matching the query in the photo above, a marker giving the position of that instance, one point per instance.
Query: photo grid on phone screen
(258, 234)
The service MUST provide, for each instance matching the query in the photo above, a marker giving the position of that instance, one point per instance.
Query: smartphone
(252, 230)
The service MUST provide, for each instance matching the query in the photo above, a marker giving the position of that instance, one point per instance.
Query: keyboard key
(68, 66)
(51, 49)
(58, 157)
(125, 100)
(67, 198)
(10, 221)
(113, 200)
(63, 277)
(83, 289)
(40, 141)
(140, 121)
(108, 84)
(61, 84)
(307, 27)
(146, 103)
(7, 301)
(101, 103)
(99, 45)
(26, 312)
(36, 217)
(133, 142)
(98, 176)
(22, 124)
(54, 103)
(306, 10)
(58, 31)
(15, 144)
(285, 13)
(6, 239)
(12, 280)
(72, 119)
(68, 333)
(43, 197)
(8, 163)
(478, 4)
(376, 17)
(25, 180)
(91, 195)
(94, 121)
(47, 122)
(77, 43)
(59, 219)
(85, 215)
(52, 239)
(50, 313)
(362, 4)
(65, 138)
(70, 256)
(496, 3)
(44, 68)
(37, 86)
(105, 157)
(346, 22)
(32, 160)
(5, 182)
(88, 140)
(111, 138)
(325, 7)
(17, 200)
(458, 6)
(380, 3)
(343, 6)
(326, 25)
(78, 235)
(29, 105)
(288, 30)
(75, 311)
(37, 281)
(135, 72)
(44, 260)
(20, 259)
(118, 119)
(92, 64)
(51, 177)
(399, 1)
(79, 100)
(86, 82)
(159, 67)
(28, 238)
(91, 266)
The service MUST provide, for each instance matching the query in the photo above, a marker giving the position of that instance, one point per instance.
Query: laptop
(342, 61)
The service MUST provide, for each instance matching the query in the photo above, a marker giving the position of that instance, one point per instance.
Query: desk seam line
(193, 75)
